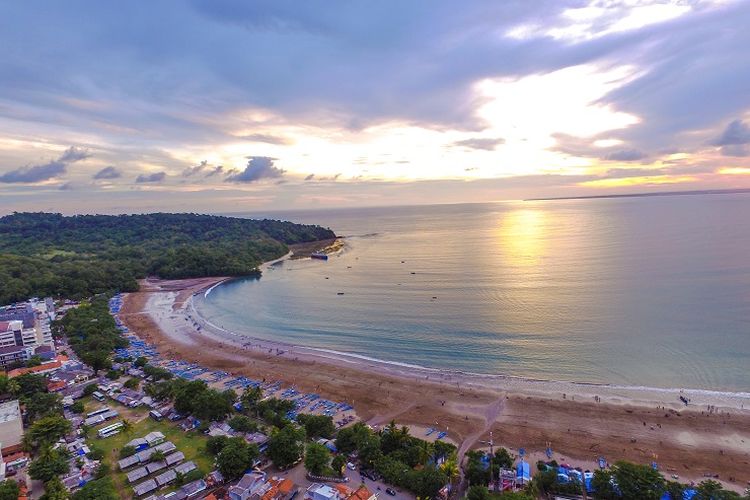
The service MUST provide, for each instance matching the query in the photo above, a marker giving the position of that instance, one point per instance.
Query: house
(128, 462)
(248, 485)
(186, 467)
(156, 466)
(166, 477)
(362, 493)
(279, 489)
(194, 489)
(154, 438)
(317, 491)
(174, 458)
(138, 444)
(137, 474)
(145, 487)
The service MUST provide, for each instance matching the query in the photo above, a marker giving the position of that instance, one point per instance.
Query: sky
(229, 105)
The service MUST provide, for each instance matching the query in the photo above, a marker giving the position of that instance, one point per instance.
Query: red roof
(56, 385)
(54, 365)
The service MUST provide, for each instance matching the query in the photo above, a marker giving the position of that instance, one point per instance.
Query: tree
(29, 384)
(236, 457)
(215, 444)
(638, 481)
(41, 404)
(317, 425)
(46, 431)
(241, 423)
(50, 464)
(34, 361)
(285, 446)
(349, 439)
(450, 469)
(478, 492)
(100, 489)
(140, 362)
(8, 490)
(113, 374)
(338, 464)
(127, 426)
(317, 458)
(158, 456)
(78, 407)
(676, 490)
(132, 383)
(54, 489)
(713, 490)
(601, 483)
(127, 451)
(428, 482)
(89, 389)
(250, 397)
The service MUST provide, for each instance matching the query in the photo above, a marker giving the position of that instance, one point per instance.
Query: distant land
(643, 195)
(48, 254)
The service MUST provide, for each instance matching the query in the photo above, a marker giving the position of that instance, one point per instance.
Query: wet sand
(579, 421)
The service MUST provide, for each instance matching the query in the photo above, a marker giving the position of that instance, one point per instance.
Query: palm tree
(450, 469)
(426, 450)
(127, 426)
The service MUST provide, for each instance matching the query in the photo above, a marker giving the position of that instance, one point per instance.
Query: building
(11, 427)
(250, 484)
(318, 491)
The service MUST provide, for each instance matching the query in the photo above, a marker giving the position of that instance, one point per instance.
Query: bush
(132, 383)
(89, 389)
(78, 407)
(127, 451)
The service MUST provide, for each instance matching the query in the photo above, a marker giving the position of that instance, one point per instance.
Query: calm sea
(641, 291)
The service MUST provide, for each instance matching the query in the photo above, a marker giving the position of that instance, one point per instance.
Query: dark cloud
(107, 173)
(265, 138)
(68, 186)
(217, 170)
(309, 177)
(156, 177)
(74, 154)
(197, 169)
(258, 167)
(736, 133)
(736, 150)
(46, 171)
(484, 143)
(625, 155)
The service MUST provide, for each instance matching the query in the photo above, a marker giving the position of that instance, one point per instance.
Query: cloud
(68, 186)
(217, 170)
(265, 138)
(625, 155)
(484, 143)
(73, 154)
(190, 171)
(737, 132)
(258, 167)
(156, 177)
(309, 177)
(107, 173)
(46, 171)
(736, 150)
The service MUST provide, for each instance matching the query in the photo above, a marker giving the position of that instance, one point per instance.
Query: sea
(647, 291)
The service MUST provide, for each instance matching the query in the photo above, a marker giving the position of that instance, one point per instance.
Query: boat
(319, 255)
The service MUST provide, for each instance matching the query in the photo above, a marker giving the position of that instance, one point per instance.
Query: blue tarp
(523, 471)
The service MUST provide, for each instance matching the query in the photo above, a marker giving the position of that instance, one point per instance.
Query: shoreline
(737, 400)
(630, 423)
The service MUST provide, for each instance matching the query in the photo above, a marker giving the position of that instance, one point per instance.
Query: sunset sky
(225, 106)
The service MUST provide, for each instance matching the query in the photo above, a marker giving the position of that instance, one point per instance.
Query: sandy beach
(579, 421)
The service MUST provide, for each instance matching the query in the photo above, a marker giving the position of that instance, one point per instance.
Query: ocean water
(640, 291)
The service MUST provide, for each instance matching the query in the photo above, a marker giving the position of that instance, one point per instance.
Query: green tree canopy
(236, 457)
(49, 464)
(317, 459)
(285, 446)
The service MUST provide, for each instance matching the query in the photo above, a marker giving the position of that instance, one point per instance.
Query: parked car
(351, 466)
(391, 491)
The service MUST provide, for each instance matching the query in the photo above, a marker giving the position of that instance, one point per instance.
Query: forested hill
(48, 254)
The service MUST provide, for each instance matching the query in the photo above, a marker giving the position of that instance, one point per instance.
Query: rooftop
(9, 411)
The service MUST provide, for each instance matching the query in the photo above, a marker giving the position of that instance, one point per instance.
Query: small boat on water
(319, 255)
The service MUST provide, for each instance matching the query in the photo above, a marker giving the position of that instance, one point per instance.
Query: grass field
(192, 444)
